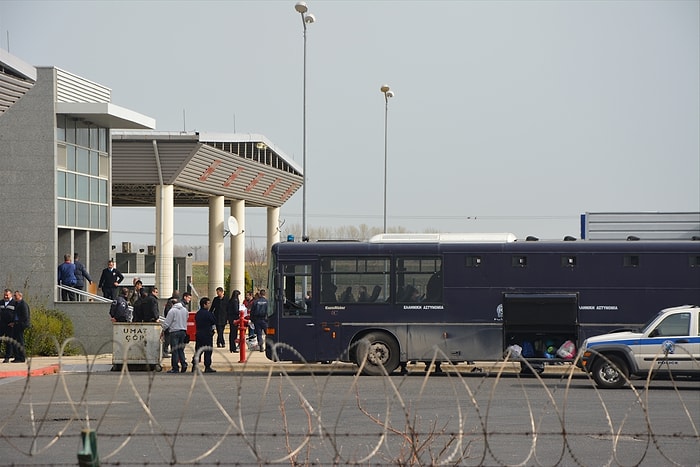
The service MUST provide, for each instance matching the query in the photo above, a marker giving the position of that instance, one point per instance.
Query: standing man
(176, 324)
(231, 316)
(119, 311)
(186, 299)
(219, 307)
(7, 316)
(66, 276)
(110, 280)
(81, 274)
(21, 323)
(139, 307)
(205, 322)
(258, 314)
(136, 294)
(150, 307)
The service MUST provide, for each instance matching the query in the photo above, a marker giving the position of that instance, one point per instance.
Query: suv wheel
(610, 372)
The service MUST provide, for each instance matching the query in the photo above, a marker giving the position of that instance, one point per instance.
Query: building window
(82, 181)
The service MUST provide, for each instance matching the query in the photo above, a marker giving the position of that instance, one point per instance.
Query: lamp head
(301, 7)
(390, 94)
(310, 18)
(385, 88)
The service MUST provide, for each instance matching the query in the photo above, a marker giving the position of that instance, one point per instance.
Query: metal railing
(84, 296)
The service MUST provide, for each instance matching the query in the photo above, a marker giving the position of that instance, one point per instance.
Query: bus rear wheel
(381, 352)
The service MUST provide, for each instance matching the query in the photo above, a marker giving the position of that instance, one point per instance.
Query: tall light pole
(306, 18)
(386, 90)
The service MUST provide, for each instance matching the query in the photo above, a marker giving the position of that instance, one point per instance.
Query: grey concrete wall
(27, 192)
(91, 325)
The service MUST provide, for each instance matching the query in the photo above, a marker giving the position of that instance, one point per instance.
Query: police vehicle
(668, 345)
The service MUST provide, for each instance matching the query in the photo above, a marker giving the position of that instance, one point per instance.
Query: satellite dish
(232, 227)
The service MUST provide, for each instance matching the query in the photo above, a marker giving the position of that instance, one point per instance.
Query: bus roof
(443, 238)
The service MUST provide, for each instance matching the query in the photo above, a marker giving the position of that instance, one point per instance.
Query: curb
(47, 370)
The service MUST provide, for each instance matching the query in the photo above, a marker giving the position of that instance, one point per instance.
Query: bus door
(298, 328)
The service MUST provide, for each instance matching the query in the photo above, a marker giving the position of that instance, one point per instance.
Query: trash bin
(136, 344)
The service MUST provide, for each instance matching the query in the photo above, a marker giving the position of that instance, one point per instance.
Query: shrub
(48, 331)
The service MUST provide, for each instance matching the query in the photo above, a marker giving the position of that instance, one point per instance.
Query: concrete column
(165, 241)
(238, 247)
(273, 231)
(216, 244)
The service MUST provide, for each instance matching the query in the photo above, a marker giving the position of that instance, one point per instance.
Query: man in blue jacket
(205, 323)
(66, 276)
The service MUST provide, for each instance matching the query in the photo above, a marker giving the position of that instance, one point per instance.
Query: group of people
(144, 306)
(14, 320)
(211, 318)
(73, 273)
(229, 311)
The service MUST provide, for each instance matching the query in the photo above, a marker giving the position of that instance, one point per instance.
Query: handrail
(83, 293)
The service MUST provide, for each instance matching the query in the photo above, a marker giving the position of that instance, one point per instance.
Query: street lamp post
(306, 18)
(386, 90)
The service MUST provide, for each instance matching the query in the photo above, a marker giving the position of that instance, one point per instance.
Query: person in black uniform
(20, 324)
(205, 323)
(219, 306)
(7, 316)
(231, 316)
(258, 314)
(110, 280)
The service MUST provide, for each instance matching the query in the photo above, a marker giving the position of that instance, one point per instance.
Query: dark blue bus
(400, 297)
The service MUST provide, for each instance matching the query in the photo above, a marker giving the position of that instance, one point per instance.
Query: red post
(242, 323)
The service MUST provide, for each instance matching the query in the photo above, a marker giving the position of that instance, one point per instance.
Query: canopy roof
(199, 165)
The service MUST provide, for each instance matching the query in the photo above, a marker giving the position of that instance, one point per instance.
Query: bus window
(418, 280)
(354, 280)
(296, 283)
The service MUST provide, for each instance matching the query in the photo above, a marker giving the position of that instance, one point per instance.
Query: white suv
(668, 344)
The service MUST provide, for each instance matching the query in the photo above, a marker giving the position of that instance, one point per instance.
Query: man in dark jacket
(232, 314)
(219, 306)
(7, 316)
(21, 323)
(110, 280)
(139, 307)
(205, 322)
(119, 311)
(258, 314)
(81, 274)
(150, 309)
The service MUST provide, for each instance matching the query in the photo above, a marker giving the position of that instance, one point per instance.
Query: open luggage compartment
(541, 324)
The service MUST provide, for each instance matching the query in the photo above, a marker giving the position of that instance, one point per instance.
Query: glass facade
(82, 172)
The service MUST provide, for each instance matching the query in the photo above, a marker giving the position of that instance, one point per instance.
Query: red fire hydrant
(242, 323)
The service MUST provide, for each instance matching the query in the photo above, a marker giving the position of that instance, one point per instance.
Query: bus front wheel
(381, 352)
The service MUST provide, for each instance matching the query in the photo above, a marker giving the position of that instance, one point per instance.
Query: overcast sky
(507, 116)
